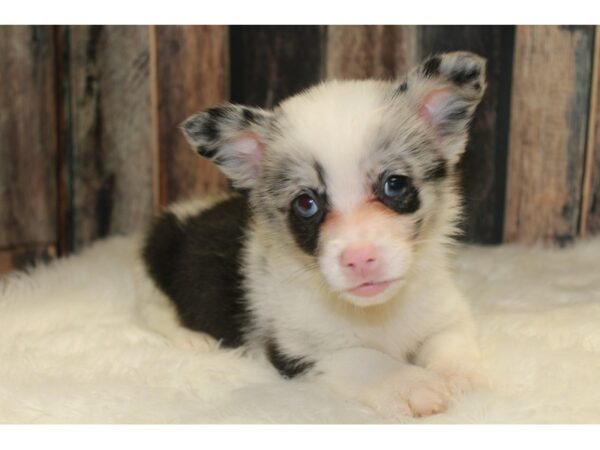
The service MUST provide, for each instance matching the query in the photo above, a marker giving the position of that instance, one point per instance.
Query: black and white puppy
(333, 260)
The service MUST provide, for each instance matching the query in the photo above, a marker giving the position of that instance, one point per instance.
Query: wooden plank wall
(379, 51)
(89, 145)
(28, 145)
(590, 213)
(192, 65)
(549, 118)
(113, 157)
(269, 63)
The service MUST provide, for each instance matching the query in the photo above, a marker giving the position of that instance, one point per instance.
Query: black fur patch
(431, 67)
(213, 116)
(210, 129)
(207, 152)
(197, 264)
(249, 116)
(219, 112)
(306, 231)
(403, 86)
(320, 173)
(287, 366)
(437, 171)
(465, 76)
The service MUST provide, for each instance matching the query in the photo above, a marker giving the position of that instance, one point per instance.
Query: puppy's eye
(398, 193)
(396, 186)
(306, 205)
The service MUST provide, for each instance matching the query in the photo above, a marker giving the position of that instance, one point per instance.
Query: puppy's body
(333, 263)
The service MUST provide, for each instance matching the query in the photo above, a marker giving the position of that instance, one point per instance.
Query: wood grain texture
(593, 205)
(27, 136)
(63, 185)
(370, 51)
(590, 212)
(113, 156)
(483, 167)
(269, 63)
(192, 74)
(550, 101)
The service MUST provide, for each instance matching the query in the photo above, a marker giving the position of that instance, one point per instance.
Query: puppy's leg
(454, 355)
(393, 388)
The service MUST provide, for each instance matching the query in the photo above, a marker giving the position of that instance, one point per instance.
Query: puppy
(332, 258)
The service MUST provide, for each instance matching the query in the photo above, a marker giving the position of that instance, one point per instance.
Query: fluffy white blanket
(88, 339)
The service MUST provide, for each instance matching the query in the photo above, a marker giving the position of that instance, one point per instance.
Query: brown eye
(305, 206)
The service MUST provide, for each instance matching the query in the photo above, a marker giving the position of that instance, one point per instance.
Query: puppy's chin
(372, 295)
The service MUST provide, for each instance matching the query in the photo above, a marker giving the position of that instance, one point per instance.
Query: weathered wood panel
(365, 51)
(592, 220)
(550, 101)
(483, 167)
(269, 63)
(192, 74)
(27, 136)
(114, 151)
(64, 141)
(89, 144)
(590, 213)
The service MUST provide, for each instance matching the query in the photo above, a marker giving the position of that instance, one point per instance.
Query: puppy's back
(195, 261)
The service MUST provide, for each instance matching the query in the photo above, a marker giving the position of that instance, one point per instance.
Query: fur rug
(88, 339)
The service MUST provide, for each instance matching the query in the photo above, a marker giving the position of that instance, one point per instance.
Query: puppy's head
(352, 175)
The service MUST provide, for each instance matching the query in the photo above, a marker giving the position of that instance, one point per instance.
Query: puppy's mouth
(371, 288)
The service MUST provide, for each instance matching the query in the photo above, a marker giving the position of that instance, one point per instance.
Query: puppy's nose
(362, 260)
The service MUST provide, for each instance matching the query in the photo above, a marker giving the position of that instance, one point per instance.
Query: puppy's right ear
(231, 136)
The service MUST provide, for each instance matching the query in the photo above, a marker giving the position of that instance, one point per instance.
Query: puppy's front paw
(411, 391)
(461, 378)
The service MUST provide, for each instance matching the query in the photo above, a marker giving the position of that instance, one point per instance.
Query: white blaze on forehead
(336, 124)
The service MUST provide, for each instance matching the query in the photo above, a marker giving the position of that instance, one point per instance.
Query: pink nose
(363, 260)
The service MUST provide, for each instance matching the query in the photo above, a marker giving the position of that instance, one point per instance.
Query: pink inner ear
(249, 147)
(435, 105)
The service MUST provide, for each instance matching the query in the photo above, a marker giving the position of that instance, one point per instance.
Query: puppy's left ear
(445, 90)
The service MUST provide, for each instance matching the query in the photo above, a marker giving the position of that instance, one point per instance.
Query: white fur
(187, 208)
(76, 345)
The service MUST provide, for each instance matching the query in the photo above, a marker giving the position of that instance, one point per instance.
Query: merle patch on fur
(210, 129)
(437, 171)
(196, 263)
(431, 67)
(464, 76)
(249, 116)
(288, 367)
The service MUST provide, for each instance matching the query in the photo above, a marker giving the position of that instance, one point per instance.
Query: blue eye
(305, 206)
(396, 186)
